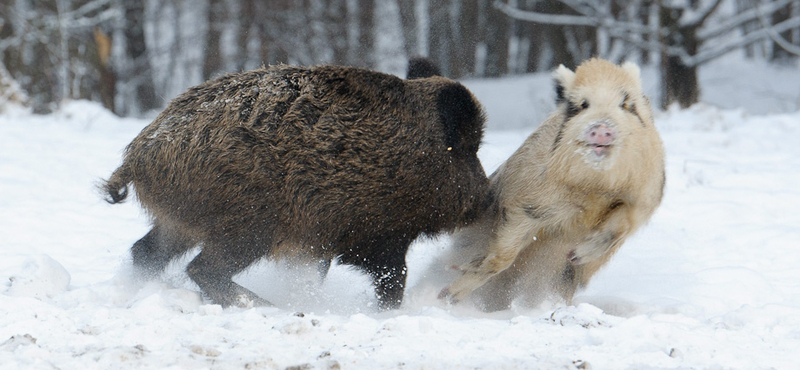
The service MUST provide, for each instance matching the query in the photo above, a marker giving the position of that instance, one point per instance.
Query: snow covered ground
(711, 283)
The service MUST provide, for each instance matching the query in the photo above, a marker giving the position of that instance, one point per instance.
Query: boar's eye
(584, 105)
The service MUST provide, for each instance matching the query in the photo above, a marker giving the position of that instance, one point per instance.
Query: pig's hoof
(449, 297)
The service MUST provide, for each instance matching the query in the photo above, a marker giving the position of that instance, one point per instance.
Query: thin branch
(555, 19)
(629, 37)
(703, 15)
(582, 7)
(718, 50)
(776, 36)
(594, 20)
(75, 16)
(736, 21)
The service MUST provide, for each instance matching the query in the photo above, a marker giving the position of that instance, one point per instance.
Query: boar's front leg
(213, 270)
(389, 282)
(509, 240)
(384, 259)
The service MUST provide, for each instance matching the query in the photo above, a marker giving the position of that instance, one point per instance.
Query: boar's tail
(116, 188)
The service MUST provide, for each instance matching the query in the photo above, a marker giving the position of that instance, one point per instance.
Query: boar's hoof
(240, 297)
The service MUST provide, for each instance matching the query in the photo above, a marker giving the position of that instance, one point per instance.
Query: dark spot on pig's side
(568, 274)
(535, 212)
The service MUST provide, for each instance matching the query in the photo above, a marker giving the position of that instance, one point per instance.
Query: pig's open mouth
(600, 150)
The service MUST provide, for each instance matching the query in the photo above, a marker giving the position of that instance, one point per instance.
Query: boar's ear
(461, 117)
(564, 79)
(421, 67)
(632, 70)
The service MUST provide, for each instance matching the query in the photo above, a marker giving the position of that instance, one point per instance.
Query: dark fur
(304, 163)
(421, 67)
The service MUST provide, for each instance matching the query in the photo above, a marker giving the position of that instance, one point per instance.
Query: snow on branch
(696, 19)
(594, 16)
(718, 50)
(775, 35)
(554, 19)
(591, 18)
(739, 19)
(87, 8)
(76, 19)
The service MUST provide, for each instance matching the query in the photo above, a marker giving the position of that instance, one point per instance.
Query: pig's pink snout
(600, 134)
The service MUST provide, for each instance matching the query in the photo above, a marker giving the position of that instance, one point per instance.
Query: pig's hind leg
(510, 239)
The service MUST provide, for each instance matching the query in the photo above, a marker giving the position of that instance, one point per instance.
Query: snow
(711, 283)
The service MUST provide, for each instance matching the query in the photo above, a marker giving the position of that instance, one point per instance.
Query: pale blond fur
(560, 210)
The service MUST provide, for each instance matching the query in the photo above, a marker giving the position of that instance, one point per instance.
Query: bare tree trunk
(366, 38)
(556, 37)
(217, 14)
(779, 54)
(28, 62)
(465, 38)
(795, 32)
(62, 7)
(408, 21)
(649, 16)
(495, 37)
(534, 34)
(678, 83)
(439, 35)
(107, 82)
(678, 80)
(247, 14)
(273, 50)
(337, 30)
(139, 74)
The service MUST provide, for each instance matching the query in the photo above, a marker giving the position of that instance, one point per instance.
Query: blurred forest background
(135, 55)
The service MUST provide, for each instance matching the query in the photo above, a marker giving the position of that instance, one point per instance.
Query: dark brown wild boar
(306, 164)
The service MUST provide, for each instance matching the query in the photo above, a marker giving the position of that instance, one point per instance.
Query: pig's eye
(573, 109)
(627, 104)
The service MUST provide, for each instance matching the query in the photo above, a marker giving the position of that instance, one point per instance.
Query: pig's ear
(564, 79)
(632, 70)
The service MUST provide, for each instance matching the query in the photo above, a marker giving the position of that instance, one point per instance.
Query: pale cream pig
(567, 199)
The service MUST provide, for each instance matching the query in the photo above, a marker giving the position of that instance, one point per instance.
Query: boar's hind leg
(213, 270)
(154, 251)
